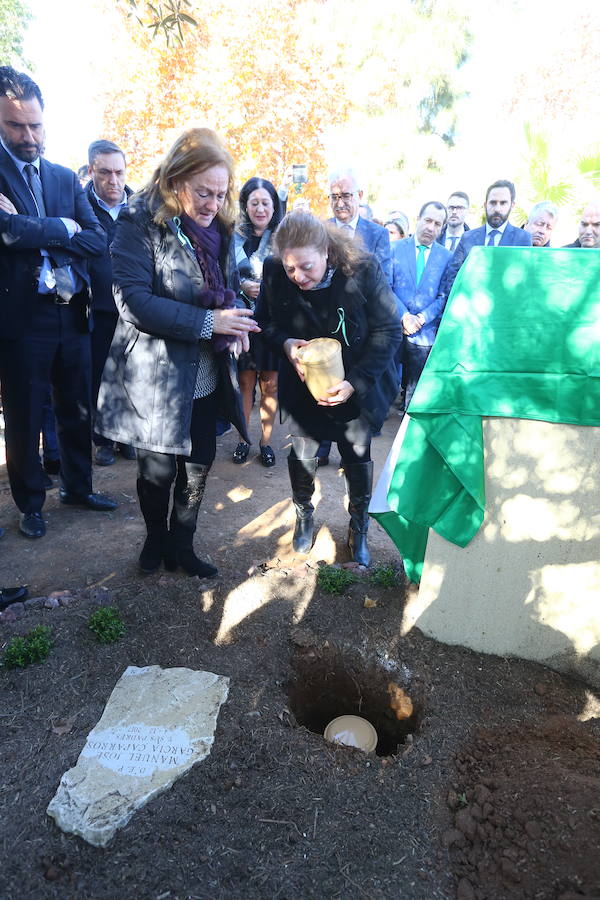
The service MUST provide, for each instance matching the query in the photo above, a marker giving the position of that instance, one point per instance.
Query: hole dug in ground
(329, 683)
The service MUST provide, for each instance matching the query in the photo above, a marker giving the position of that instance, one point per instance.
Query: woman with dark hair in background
(260, 214)
(171, 368)
(323, 285)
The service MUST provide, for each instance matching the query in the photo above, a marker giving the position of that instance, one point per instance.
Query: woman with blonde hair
(321, 284)
(171, 369)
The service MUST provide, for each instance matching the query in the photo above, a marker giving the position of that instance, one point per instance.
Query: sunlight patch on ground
(591, 710)
(239, 493)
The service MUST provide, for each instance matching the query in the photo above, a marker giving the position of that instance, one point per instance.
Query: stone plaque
(157, 724)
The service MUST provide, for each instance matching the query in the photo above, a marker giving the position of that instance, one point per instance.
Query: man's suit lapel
(50, 186)
(507, 236)
(411, 260)
(22, 197)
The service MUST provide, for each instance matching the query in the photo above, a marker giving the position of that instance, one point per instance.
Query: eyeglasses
(334, 198)
(456, 208)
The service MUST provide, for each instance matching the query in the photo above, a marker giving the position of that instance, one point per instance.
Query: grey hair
(336, 174)
(544, 207)
(98, 148)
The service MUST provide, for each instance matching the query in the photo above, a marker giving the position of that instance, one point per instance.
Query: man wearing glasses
(345, 196)
(453, 230)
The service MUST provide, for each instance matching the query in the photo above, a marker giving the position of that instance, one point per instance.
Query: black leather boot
(187, 498)
(359, 482)
(302, 479)
(154, 504)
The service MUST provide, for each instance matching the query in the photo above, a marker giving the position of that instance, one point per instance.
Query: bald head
(589, 226)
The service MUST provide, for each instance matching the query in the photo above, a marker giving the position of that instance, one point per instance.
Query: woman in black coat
(260, 214)
(322, 285)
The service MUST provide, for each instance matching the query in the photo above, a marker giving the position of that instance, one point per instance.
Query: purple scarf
(207, 247)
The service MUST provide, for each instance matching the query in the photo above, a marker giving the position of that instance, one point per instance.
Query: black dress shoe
(32, 525)
(105, 456)
(12, 595)
(95, 502)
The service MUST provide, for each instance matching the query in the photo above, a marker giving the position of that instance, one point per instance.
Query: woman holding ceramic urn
(260, 214)
(171, 369)
(320, 284)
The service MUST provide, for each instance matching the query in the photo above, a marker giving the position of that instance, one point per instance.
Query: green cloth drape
(520, 337)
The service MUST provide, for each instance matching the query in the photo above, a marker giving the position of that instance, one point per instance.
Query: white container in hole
(353, 731)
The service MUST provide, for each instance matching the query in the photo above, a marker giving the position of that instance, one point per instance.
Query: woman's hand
(290, 348)
(337, 394)
(250, 288)
(236, 322)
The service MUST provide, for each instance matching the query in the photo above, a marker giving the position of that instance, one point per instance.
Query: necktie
(35, 186)
(62, 275)
(453, 242)
(492, 237)
(420, 260)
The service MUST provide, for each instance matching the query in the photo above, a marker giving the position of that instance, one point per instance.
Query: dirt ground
(490, 791)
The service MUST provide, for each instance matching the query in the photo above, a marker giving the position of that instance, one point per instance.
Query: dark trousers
(161, 469)
(54, 351)
(105, 323)
(413, 362)
(49, 439)
(306, 448)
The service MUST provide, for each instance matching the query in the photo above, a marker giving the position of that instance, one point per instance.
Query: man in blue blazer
(47, 232)
(497, 231)
(345, 196)
(418, 265)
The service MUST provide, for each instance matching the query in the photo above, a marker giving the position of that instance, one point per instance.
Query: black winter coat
(373, 330)
(100, 267)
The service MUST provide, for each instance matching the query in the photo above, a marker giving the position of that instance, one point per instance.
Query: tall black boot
(302, 479)
(187, 497)
(359, 482)
(154, 504)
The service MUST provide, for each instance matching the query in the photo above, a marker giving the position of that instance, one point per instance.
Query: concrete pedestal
(528, 584)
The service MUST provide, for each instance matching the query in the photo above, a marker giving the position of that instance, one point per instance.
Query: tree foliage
(168, 19)
(294, 81)
(14, 16)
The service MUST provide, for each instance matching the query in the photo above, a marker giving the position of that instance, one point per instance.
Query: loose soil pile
(492, 790)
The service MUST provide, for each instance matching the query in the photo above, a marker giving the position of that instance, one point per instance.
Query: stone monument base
(528, 584)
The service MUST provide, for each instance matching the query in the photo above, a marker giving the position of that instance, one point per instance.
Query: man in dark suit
(108, 194)
(47, 232)
(458, 207)
(345, 196)
(589, 227)
(418, 265)
(497, 231)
